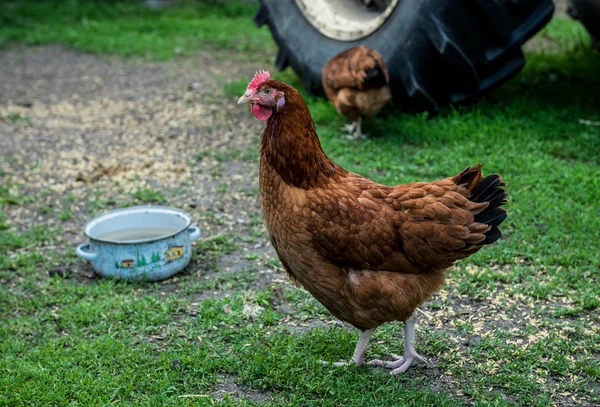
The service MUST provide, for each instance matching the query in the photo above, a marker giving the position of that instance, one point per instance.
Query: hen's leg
(359, 352)
(400, 364)
(357, 131)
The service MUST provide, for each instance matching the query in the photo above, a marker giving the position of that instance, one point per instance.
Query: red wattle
(261, 112)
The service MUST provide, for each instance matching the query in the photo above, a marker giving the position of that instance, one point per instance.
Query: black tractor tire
(437, 51)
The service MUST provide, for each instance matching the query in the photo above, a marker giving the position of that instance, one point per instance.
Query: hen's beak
(247, 98)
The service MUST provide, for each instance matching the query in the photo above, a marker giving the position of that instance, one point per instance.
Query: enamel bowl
(139, 242)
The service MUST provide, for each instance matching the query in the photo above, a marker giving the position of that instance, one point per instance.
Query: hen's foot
(350, 127)
(399, 364)
(342, 363)
(358, 135)
(355, 136)
(354, 131)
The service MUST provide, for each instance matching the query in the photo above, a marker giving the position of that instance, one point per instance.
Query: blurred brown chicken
(356, 82)
(370, 253)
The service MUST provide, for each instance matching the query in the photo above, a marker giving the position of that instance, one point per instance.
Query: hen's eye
(267, 91)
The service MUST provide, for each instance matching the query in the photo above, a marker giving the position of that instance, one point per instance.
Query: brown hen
(356, 82)
(370, 253)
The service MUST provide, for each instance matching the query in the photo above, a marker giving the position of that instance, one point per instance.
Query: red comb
(259, 78)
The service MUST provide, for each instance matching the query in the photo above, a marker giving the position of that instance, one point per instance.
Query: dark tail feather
(491, 218)
(490, 190)
(492, 235)
(495, 199)
(485, 187)
(375, 78)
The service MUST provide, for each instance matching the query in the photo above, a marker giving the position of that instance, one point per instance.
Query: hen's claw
(383, 363)
(399, 364)
(350, 127)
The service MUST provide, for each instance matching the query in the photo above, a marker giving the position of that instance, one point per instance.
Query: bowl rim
(137, 209)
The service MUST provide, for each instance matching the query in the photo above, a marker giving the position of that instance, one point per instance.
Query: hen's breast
(286, 217)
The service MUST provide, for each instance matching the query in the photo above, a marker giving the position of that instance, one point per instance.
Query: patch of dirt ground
(83, 134)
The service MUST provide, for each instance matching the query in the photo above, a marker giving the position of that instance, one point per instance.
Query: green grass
(16, 118)
(128, 28)
(148, 196)
(99, 342)
(11, 194)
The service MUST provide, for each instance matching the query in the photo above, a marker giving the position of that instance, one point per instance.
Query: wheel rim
(347, 20)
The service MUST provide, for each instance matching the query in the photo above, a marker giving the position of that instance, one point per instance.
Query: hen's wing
(358, 68)
(410, 228)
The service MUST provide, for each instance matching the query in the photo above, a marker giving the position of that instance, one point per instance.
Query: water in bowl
(126, 235)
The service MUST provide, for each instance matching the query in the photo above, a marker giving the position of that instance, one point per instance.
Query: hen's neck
(291, 146)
